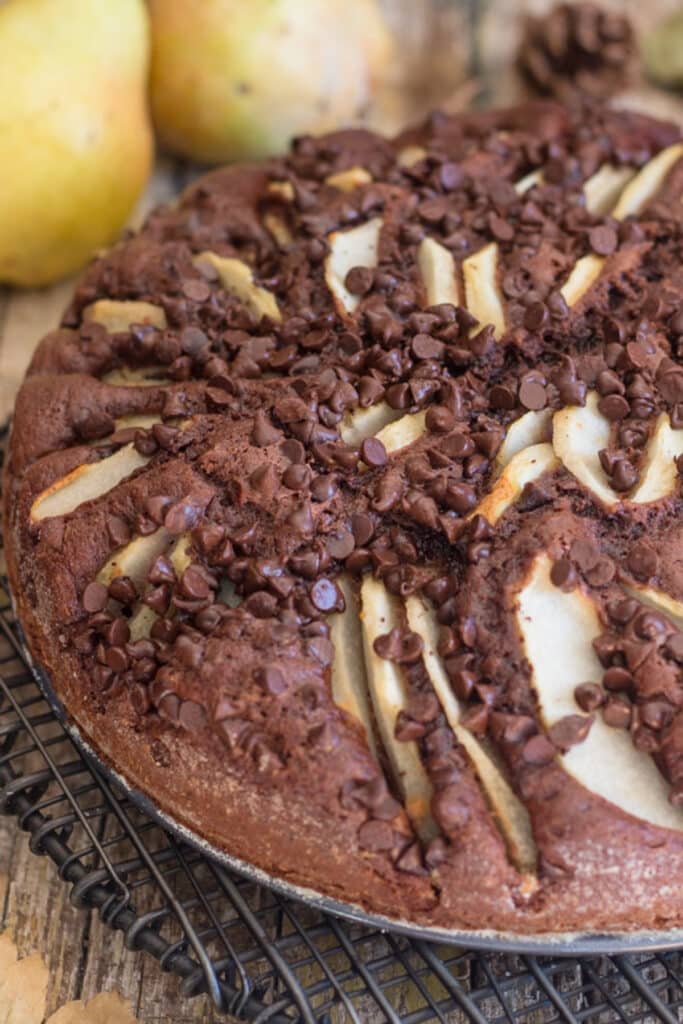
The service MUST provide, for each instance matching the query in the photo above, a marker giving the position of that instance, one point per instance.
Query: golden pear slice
(87, 482)
(141, 622)
(238, 279)
(583, 275)
(362, 423)
(528, 181)
(140, 377)
(558, 629)
(438, 272)
(410, 155)
(480, 273)
(530, 429)
(388, 693)
(281, 189)
(524, 467)
(510, 813)
(179, 555)
(278, 229)
(136, 558)
(603, 189)
(579, 433)
(647, 182)
(400, 433)
(659, 476)
(143, 421)
(355, 247)
(349, 683)
(347, 180)
(118, 315)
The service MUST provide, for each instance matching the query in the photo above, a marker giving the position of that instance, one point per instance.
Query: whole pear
(75, 139)
(236, 79)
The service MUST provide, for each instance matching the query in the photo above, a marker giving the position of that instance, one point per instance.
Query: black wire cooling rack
(257, 954)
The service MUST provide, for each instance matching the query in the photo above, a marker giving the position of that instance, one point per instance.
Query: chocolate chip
(376, 835)
(602, 239)
(263, 432)
(532, 395)
(425, 347)
(502, 397)
(570, 730)
(616, 712)
(614, 407)
(402, 646)
(373, 453)
(439, 419)
(563, 574)
(536, 316)
(326, 596)
(589, 696)
(118, 530)
(538, 750)
(193, 340)
(271, 679)
(359, 280)
(95, 597)
(449, 808)
(362, 528)
(340, 545)
(324, 487)
(617, 678)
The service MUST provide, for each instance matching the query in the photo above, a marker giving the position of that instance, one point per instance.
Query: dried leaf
(105, 1008)
(23, 986)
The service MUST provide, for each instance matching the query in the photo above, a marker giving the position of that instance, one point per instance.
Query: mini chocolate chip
(614, 407)
(359, 280)
(95, 597)
(502, 397)
(362, 528)
(602, 239)
(563, 574)
(323, 487)
(439, 419)
(425, 347)
(616, 712)
(372, 452)
(326, 596)
(538, 750)
(642, 560)
(589, 696)
(570, 730)
(118, 530)
(340, 545)
(532, 395)
(263, 432)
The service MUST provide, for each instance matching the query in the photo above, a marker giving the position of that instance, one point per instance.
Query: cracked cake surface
(343, 510)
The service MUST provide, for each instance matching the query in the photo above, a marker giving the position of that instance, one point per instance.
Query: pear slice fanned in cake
(358, 424)
(348, 180)
(583, 275)
(400, 433)
(659, 475)
(647, 182)
(438, 273)
(379, 615)
(602, 189)
(532, 428)
(579, 434)
(354, 247)
(510, 813)
(237, 277)
(87, 482)
(482, 295)
(523, 468)
(136, 558)
(349, 682)
(557, 630)
(118, 315)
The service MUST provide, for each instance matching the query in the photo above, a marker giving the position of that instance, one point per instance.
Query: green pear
(236, 79)
(75, 140)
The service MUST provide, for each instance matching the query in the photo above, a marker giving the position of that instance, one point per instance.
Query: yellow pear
(75, 139)
(236, 79)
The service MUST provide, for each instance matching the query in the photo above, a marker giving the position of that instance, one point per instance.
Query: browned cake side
(343, 511)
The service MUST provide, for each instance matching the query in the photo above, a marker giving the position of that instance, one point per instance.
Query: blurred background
(111, 106)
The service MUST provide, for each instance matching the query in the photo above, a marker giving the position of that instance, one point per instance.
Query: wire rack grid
(258, 955)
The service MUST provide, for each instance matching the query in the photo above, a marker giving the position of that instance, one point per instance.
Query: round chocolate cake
(343, 511)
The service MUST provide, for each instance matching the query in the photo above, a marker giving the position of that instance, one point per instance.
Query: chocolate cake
(343, 511)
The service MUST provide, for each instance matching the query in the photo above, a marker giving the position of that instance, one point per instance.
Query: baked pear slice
(510, 813)
(482, 295)
(346, 181)
(602, 189)
(400, 433)
(349, 682)
(557, 630)
(379, 615)
(141, 622)
(410, 155)
(237, 277)
(524, 467)
(647, 182)
(584, 274)
(358, 424)
(579, 433)
(136, 558)
(669, 606)
(438, 272)
(532, 428)
(118, 315)
(278, 228)
(355, 247)
(137, 377)
(87, 482)
(659, 476)
(528, 181)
